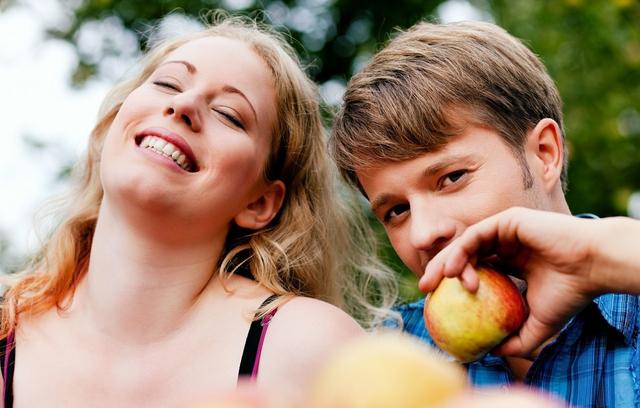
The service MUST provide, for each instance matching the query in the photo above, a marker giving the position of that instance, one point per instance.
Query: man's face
(427, 201)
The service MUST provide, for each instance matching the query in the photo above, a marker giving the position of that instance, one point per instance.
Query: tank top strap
(250, 362)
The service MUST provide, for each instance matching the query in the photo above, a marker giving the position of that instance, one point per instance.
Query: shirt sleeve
(621, 312)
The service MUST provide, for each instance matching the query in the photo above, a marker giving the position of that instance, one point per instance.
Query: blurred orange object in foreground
(386, 370)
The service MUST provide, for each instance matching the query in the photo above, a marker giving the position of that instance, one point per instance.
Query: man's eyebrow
(445, 162)
(431, 170)
(190, 67)
(233, 90)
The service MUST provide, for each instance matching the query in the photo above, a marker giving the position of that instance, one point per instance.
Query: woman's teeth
(161, 146)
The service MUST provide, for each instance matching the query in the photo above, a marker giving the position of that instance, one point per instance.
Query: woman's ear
(262, 210)
(546, 148)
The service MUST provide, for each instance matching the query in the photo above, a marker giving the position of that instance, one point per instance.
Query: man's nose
(184, 108)
(431, 230)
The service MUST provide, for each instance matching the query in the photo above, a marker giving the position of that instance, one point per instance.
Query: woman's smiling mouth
(165, 143)
(162, 147)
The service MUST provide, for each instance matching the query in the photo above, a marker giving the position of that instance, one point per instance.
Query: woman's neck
(139, 287)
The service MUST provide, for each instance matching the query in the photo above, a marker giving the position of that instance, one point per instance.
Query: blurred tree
(9, 262)
(591, 49)
(334, 37)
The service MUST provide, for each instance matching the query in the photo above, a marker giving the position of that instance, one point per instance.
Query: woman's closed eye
(230, 118)
(167, 85)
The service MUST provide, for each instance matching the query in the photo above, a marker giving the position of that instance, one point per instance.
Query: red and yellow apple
(468, 325)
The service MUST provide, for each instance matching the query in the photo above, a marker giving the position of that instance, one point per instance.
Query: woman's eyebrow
(232, 90)
(190, 67)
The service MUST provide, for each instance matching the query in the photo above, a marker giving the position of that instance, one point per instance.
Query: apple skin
(467, 325)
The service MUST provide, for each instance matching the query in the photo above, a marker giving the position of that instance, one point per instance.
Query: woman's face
(190, 144)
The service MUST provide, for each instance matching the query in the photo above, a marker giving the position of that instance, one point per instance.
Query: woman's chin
(143, 194)
(162, 214)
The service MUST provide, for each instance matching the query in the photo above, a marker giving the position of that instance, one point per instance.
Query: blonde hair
(432, 80)
(318, 245)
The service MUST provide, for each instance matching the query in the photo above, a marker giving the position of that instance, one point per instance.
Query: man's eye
(395, 211)
(235, 121)
(452, 177)
(167, 85)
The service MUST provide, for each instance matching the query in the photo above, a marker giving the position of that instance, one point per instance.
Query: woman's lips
(164, 142)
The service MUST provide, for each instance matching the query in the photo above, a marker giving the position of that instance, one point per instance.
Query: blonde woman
(205, 203)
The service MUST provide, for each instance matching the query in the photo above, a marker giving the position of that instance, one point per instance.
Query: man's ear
(263, 209)
(546, 149)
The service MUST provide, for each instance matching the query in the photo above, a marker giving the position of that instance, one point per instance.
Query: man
(447, 126)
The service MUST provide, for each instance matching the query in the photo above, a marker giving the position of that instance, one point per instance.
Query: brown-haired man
(447, 126)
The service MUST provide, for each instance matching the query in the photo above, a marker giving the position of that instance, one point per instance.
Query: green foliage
(9, 262)
(592, 50)
(407, 282)
(334, 37)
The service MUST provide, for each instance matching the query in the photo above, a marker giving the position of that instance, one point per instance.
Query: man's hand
(552, 252)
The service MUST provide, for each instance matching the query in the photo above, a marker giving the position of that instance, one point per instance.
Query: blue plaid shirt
(593, 362)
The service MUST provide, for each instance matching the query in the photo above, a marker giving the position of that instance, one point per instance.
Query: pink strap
(265, 324)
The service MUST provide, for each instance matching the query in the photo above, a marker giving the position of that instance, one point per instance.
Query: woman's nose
(184, 108)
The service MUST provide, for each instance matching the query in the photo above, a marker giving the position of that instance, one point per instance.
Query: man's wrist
(615, 255)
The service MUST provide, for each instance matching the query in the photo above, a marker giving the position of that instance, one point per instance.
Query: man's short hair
(430, 82)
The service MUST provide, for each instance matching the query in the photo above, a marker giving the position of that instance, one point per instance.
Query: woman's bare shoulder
(313, 321)
(303, 334)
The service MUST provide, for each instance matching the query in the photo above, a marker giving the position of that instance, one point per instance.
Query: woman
(205, 191)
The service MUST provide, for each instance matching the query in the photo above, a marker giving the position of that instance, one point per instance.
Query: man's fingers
(451, 262)
(432, 276)
(456, 260)
(485, 237)
(469, 278)
(511, 347)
